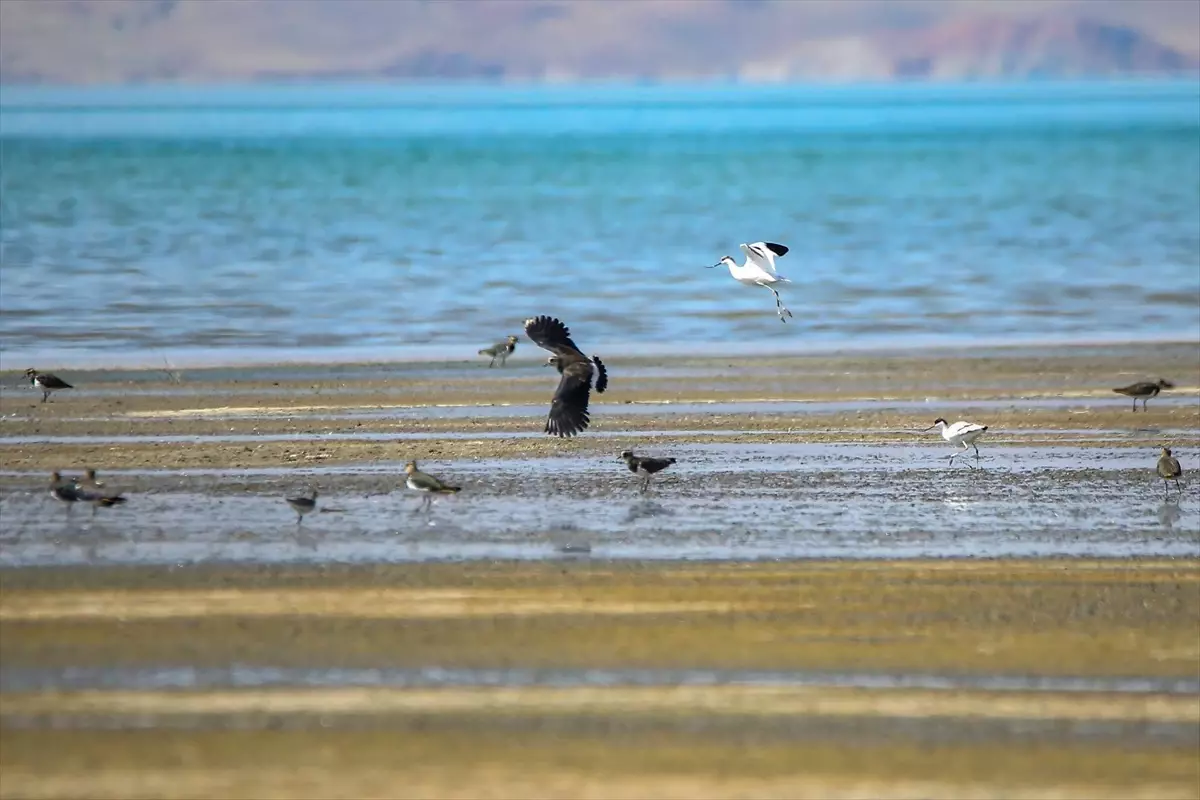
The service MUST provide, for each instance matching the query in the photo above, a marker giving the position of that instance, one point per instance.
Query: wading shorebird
(303, 505)
(63, 491)
(1169, 470)
(500, 350)
(46, 382)
(961, 434)
(1144, 390)
(645, 466)
(92, 491)
(426, 484)
(569, 408)
(759, 270)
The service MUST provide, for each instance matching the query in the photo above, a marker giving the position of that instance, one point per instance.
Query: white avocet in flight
(759, 270)
(961, 434)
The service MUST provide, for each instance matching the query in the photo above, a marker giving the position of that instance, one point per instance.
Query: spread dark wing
(777, 249)
(550, 334)
(568, 411)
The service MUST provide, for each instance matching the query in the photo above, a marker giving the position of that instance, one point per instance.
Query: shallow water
(721, 501)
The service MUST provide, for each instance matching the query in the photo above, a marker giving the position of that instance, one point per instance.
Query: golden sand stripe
(339, 602)
(765, 701)
(474, 783)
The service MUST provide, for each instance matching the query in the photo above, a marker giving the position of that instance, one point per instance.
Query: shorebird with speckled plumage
(1169, 470)
(500, 351)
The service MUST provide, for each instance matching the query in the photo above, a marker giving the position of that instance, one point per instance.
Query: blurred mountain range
(144, 41)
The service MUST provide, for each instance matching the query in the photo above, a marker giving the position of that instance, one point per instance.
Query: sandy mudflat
(824, 679)
(811, 603)
(1062, 394)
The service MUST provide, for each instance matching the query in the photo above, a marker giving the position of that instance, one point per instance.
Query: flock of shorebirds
(568, 413)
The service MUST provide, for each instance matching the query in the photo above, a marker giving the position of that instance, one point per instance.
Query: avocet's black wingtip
(777, 249)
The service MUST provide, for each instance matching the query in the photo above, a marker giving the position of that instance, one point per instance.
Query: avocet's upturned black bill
(1144, 390)
(46, 382)
(569, 409)
(759, 270)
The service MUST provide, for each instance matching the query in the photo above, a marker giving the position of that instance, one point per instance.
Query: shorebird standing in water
(569, 408)
(303, 505)
(46, 382)
(426, 484)
(64, 491)
(500, 350)
(961, 434)
(91, 490)
(759, 270)
(1169, 470)
(645, 467)
(1144, 390)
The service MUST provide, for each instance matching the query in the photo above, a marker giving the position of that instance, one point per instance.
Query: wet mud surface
(811, 603)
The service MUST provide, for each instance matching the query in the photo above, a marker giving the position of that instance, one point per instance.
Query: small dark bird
(46, 382)
(426, 484)
(500, 350)
(303, 505)
(569, 409)
(645, 466)
(1144, 390)
(1169, 470)
(63, 491)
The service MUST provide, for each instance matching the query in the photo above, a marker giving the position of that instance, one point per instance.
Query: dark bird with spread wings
(569, 409)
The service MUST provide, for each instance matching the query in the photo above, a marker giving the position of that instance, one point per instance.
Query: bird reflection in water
(1169, 513)
(646, 509)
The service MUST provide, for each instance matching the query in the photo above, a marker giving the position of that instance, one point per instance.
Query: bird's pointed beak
(927, 430)
(712, 266)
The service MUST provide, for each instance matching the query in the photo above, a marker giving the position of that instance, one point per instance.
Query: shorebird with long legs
(645, 467)
(427, 485)
(1144, 390)
(960, 434)
(569, 408)
(46, 382)
(1169, 470)
(303, 505)
(500, 351)
(759, 270)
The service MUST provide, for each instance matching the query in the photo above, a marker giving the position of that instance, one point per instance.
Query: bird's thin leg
(1135, 405)
(45, 396)
(299, 519)
(1143, 404)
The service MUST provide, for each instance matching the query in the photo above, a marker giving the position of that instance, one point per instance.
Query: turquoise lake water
(220, 224)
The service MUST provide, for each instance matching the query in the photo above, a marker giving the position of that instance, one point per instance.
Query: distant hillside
(138, 41)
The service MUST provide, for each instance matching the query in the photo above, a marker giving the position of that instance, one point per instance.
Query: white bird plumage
(961, 434)
(759, 270)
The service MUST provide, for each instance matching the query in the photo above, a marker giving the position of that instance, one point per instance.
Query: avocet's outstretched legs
(780, 308)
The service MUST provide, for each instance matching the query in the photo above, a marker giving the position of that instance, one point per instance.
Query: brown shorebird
(1169, 470)
(46, 382)
(644, 466)
(569, 408)
(500, 350)
(1144, 390)
(426, 484)
(88, 482)
(303, 505)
